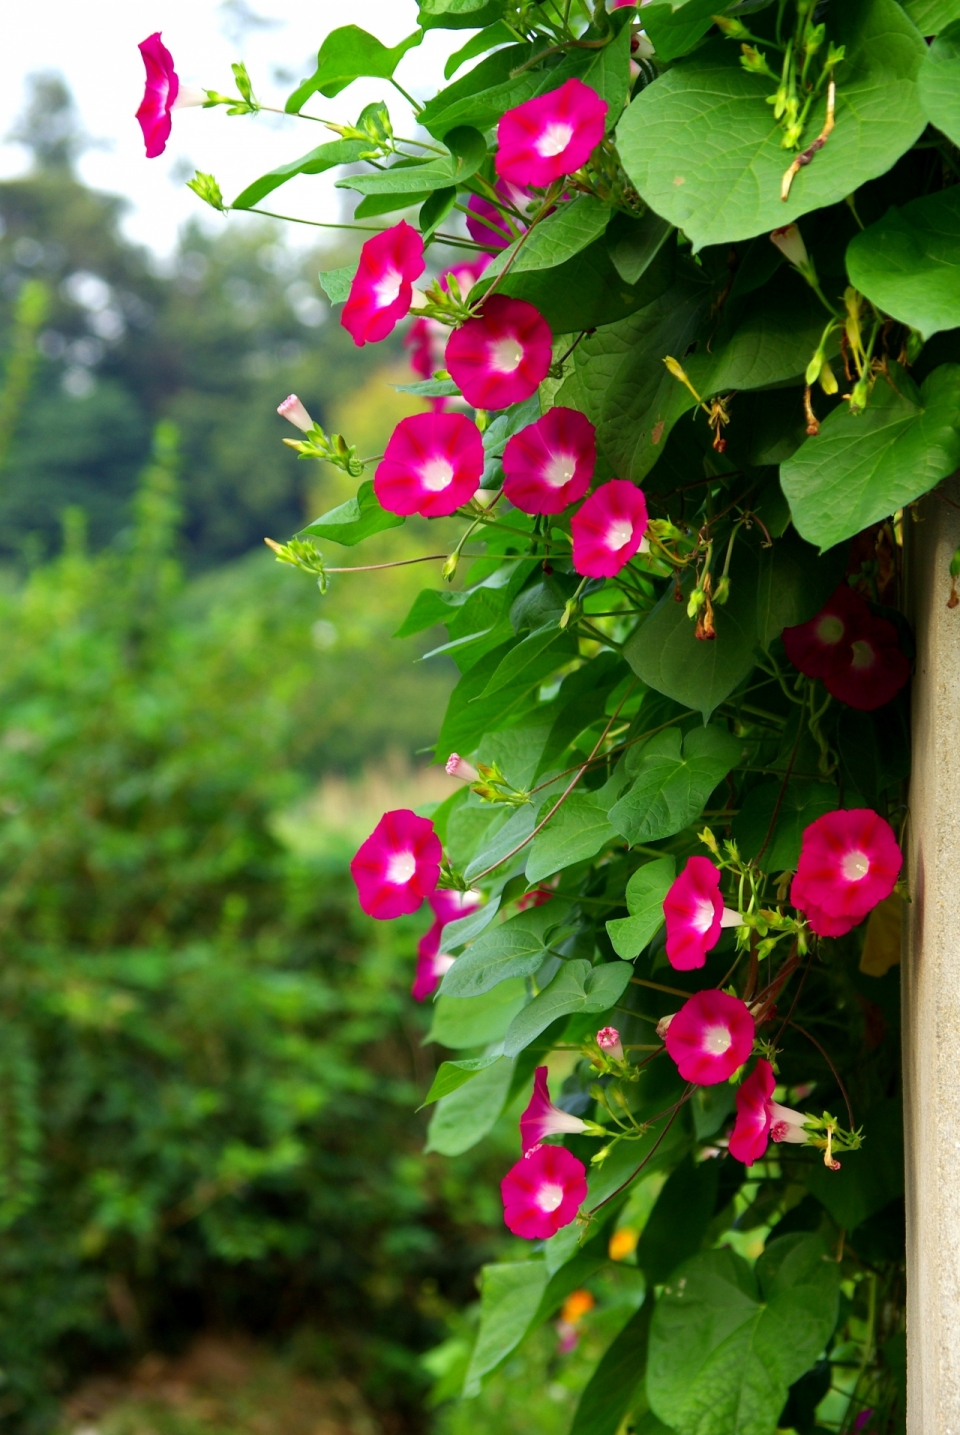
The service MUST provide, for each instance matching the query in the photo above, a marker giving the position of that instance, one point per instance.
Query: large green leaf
(466, 721)
(939, 78)
(783, 811)
(932, 16)
(465, 1116)
(671, 781)
(513, 949)
(324, 157)
(468, 151)
(346, 55)
(702, 146)
(727, 1342)
(586, 292)
(909, 262)
(451, 1075)
(862, 467)
(678, 1223)
(868, 1179)
(578, 831)
(460, 1022)
(351, 522)
(459, 14)
(674, 29)
(509, 1297)
(645, 893)
(577, 987)
(525, 652)
(793, 584)
(558, 237)
(609, 1393)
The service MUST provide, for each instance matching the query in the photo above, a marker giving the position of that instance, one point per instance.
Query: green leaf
(324, 157)
(671, 786)
(513, 949)
(503, 841)
(464, 929)
(435, 210)
(909, 262)
(932, 16)
(578, 831)
(488, 39)
(875, 749)
(703, 149)
(454, 1074)
(610, 1392)
(558, 237)
(868, 1179)
(509, 1296)
(460, 15)
(465, 1116)
(376, 204)
(466, 721)
(793, 584)
(633, 244)
(586, 292)
(523, 654)
(429, 608)
(346, 55)
(336, 283)
(726, 1342)
(645, 893)
(674, 30)
(351, 522)
(677, 1225)
(862, 467)
(433, 174)
(476, 1021)
(796, 805)
(577, 987)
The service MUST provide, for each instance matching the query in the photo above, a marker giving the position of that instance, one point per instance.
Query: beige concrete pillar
(931, 986)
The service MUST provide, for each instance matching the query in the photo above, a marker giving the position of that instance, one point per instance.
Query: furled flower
(485, 223)
(608, 1040)
(502, 355)
(760, 1119)
(458, 766)
(608, 530)
(447, 906)
(789, 241)
(695, 913)
(818, 646)
(542, 1118)
(433, 463)
(550, 463)
(382, 288)
(877, 668)
(849, 861)
(398, 865)
(550, 135)
(710, 1037)
(295, 413)
(161, 94)
(543, 1192)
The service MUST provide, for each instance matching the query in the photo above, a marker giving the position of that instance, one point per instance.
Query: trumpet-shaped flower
(433, 463)
(486, 224)
(849, 861)
(447, 906)
(695, 913)
(502, 355)
(162, 93)
(760, 1119)
(382, 287)
(789, 241)
(710, 1037)
(398, 865)
(550, 463)
(608, 530)
(542, 1118)
(543, 1192)
(550, 135)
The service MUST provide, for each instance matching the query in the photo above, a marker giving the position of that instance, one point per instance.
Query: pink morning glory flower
(695, 913)
(501, 356)
(432, 464)
(849, 861)
(447, 906)
(382, 288)
(608, 530)
(542, 1118)
(427, 338)
(550, 463)
(608, 1040)
(398, 865)
(710, 1037)
(543, 1192)
(457, 766)
(816, 647)
(161, 94)
(875, 670)
(550, 135)
(760, 1119)
(486, 224)
(295, 413)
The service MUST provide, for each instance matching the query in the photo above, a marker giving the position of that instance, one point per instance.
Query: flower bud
(458, 766)
(608, 1040)
(789, 241)
(294, 412)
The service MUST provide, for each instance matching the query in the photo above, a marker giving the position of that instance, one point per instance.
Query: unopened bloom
(398, 865)
(486, 224)
(382, 288)
(432, 464)
(710, 1037)
(543, 1192)
(447, 906)
(458, 766)
(789, 241)
(550, 135)
(542, 1118)
(695, 913)
(550, 463)
(501, 356)
(608, 529)
(295, 413)
(608, 1040)
(161, 94)
(760, 1119)
(849, 861)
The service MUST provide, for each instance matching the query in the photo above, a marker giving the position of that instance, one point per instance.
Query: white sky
(92, 44)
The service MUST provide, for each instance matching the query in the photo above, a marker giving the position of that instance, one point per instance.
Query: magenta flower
(542, 1118)
(502, 355)
(608, 530)
(550, 463)
(550, 135)
(876, 670)
(398, 865)
(760, 1119)
(849, 861)
(608, 1040)
(543, 1192)
(486, 224)
(433, 463)
(159, 95)
(426, 339)
(447, 906)
(818, 646)
(295, 413)
(382, 288)
(710, 1037)
(695, 913)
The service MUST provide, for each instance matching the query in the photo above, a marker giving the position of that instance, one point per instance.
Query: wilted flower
(542, 1118)
(432, 464)
(760, 1119)
(398, 865)
(382, 288)
(550, 135)
(710, 1037)
(608, 529)
(543, 1192)
(501, 356)
(849, 861)
(695, 914)
(549, 464)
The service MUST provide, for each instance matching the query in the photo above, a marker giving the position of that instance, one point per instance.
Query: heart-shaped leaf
(672, 782)
(909, 262)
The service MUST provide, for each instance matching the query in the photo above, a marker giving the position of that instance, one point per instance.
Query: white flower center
(863, 654)
(549, 1196)
(703, 917)
(401, 867)
(717, 1040)
(560, 469)
(830, 629)
(505, 355)
(436, 474)
(855, 866)
(619, 533)
(554, 139)
(387, 289)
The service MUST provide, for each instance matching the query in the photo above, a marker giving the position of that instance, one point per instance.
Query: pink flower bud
(608, 529)
(458, 766)
(789, 241)
(294, 412)
(608, 1040)
(543, 1192)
